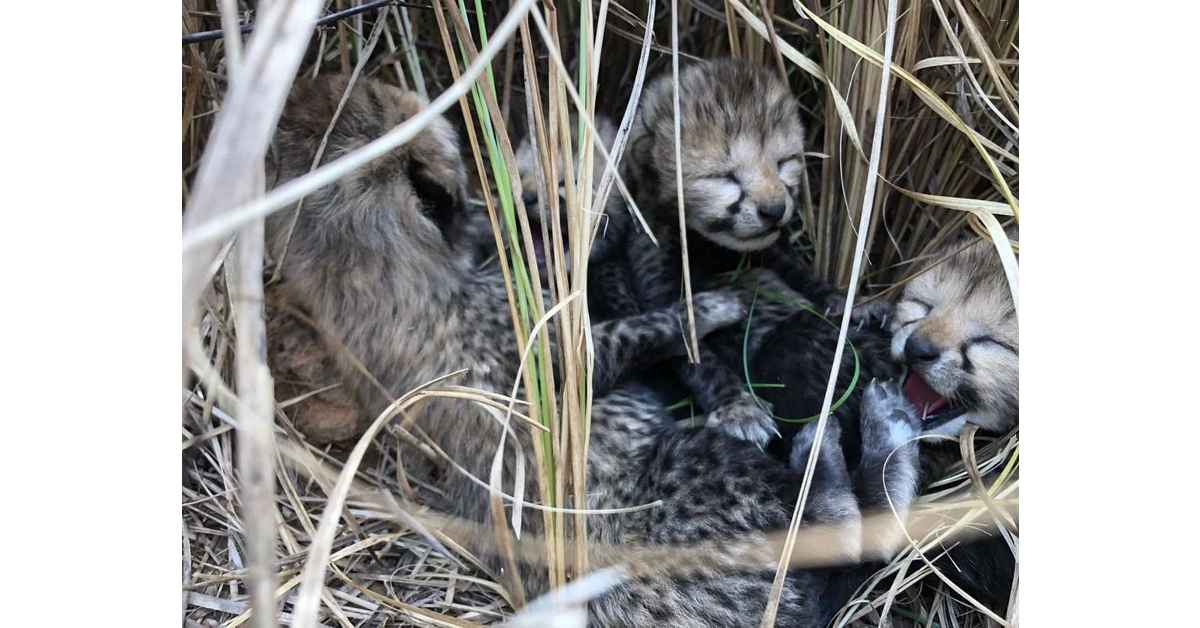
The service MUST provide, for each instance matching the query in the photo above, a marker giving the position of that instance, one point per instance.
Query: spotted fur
(963, 296)
(372, 261)
(742, 142)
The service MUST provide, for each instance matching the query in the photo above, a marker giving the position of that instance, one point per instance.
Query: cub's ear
(441, 201)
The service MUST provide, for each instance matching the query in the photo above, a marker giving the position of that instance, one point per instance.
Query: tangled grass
(340, 535)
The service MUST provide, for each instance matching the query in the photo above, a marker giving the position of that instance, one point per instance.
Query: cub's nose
(772, 213)
(530, 199)
(918, 348)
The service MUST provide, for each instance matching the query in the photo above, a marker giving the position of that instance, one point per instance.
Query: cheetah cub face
(477, 232)
(956, 328)
(741, 145)
(532, 175)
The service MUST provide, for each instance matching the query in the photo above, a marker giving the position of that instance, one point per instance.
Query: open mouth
(935, 409)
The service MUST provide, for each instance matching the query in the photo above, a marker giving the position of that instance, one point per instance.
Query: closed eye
(729, 176)
(900, 324)
(928, 308)
(992, 341)
(786, 160)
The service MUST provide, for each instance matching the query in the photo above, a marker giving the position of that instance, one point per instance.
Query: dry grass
(355, 542)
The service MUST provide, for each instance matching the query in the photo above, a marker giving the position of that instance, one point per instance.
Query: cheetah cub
(477, 233)
(741, 144)
(955, 329)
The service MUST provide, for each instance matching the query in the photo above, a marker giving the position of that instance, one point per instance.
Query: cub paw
(715, 309)
(745, 419)
(873, 314)
(889, 420)
(831, 444)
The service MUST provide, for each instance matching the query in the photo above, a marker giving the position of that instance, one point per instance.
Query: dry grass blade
(859, 251)
(981, 143)
(814, 545)
(967, 445)
(1007, 258)
(693, 343)
(934, 62)
(256, 446)
(231, 172)
(618, 148)
(972, 205)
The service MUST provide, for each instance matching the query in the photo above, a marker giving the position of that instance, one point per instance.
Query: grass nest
(946, 162)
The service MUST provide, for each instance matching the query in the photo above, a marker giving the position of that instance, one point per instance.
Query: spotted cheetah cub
(741, 141)
(955, 329)
(536, 192)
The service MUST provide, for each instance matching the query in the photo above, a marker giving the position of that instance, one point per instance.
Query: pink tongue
(921, 395)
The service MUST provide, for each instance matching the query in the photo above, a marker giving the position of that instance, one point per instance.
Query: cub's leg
(634, 341)
(887, 477)
(831, 498)
(888, 424)
(717, 387)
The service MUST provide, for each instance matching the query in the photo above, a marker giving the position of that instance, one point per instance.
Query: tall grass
(946, 159)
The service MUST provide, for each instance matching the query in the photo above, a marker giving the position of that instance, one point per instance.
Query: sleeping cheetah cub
(477, 231)
(742, 142)
(371, 261)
